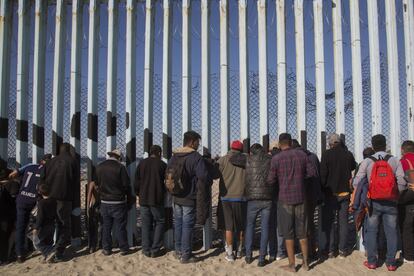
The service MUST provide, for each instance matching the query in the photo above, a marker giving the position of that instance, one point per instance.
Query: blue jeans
(184, 221)
(23, 216)
(152, 229)
(255, 207)
(388, 212)
(114, 214)
(276, 241)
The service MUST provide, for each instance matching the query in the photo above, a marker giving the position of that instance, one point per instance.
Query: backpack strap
(373, 158)
(409, 163)
(387, 157)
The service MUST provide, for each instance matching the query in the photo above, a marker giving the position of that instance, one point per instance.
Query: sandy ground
(211, 262)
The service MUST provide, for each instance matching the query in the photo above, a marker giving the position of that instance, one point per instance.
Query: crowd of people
(283, 186)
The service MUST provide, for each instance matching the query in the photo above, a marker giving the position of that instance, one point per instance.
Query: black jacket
(257, 170)
(197, 189)
(336, 166)
(113, 182)
(61, 174)
(149, 181)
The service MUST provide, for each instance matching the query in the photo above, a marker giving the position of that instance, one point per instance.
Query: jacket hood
(183, 151)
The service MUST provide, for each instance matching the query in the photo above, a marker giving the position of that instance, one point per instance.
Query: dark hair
(190, 137)
(47, 157)
(408, 146)
(368, 152)
(255, 148)
(44, 190)
(295, 144)
(379, 143)
(155, 150)
(64, 148)
(285, 139)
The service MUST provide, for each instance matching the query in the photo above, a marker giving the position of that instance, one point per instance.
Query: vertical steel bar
(393, 83)
(244, 76)
(224, 78)
(130, 107)
(319, 75)
(357, 80)
(205, 102)
(409, 62)
(22, 82)
(374, 65)
(262, 47)
(281, 66)
(75, 95)
(338, 66)
(111, 83)
(6, 14)
(186, 70)
(166, 106)
(148, 76)
(58, 76)
(39, 80)
(93, 62)
(166, 82)
(300, 71)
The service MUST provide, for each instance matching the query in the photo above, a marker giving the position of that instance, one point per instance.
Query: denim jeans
(335, 209)
(184, 221)
(387, 212)
(22, 221)
(64, 230)
(94, 228)
(254, 208)
(276, 241)
(114, 214)
(152, 229)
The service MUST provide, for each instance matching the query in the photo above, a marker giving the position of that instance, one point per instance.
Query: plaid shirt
(289, 169)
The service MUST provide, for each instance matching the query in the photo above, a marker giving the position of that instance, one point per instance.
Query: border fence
(132, 110)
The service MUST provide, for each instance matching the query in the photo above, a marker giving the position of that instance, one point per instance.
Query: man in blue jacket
(185, 204)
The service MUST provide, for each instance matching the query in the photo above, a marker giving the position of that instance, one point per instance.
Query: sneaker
(370, 266)
(332, 255)
(146, 254)
(261, 263)
(281, 257)
(239, 254)
(106, 252)
(157, 253)
(391, 267)
(58, 259)
(126, 252)
(177, 255)
(343, 254)
(248, 260)
(272, 259)
(20, 259)
(229, 257)
(50, 257)
(190, 260)
(408, 262)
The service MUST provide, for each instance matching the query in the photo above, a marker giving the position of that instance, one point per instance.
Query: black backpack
(176, 177)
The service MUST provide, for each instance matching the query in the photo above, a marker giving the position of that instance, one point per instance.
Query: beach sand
(212, 263)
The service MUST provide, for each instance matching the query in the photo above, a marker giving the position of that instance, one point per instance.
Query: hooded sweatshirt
(197, 172)
(233, 182)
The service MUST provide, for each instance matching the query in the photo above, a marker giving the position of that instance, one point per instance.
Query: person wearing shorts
(232, 167)
(288, 170)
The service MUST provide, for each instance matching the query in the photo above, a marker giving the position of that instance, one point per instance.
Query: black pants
(407, 228)
(152, 229)
(45, 235)
(23, 216)
(310, 209)
(334, 236)
(63, 225)
(94, 228)
(114, 214)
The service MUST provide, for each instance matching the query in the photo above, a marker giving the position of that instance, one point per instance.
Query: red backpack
(382, 185)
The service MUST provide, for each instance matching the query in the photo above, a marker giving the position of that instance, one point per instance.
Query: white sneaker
(408, 262)
(229, 258)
